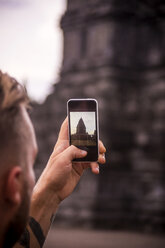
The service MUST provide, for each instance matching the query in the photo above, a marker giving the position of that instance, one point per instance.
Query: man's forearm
(43, 208)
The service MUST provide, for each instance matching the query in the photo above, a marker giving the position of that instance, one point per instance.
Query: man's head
(17, 154)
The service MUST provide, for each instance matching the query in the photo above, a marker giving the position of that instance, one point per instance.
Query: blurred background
(114, 51)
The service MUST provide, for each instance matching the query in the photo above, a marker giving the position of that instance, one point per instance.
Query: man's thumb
(73, 152)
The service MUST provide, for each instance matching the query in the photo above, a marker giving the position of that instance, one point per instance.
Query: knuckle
(73, 151)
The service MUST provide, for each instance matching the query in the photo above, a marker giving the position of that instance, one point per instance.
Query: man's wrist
(44, 197)
(44, 205)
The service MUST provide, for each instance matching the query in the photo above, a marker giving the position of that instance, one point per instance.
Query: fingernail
(104, 156)
(83, 152)
(104, 148)
(97, 169)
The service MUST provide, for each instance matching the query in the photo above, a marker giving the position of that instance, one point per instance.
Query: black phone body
(83, 127)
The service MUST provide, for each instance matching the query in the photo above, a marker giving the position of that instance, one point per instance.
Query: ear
(13, 186)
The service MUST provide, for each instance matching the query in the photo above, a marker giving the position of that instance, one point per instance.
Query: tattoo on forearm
(25, 239)
(36, 229)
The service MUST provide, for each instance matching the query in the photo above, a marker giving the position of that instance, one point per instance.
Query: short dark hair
(12, 96)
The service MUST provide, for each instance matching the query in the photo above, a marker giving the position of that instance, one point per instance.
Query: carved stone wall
(114, 51)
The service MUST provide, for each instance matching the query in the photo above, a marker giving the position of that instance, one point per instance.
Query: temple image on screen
(83, 129)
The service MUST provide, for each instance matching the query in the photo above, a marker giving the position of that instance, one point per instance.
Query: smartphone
(83, 127)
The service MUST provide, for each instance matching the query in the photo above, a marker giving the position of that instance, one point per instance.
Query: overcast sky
(88, 118)
(31, 42)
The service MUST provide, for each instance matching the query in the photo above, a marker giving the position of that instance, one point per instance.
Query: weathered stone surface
(114, 51)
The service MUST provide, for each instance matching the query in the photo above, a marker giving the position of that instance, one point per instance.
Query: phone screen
(83, 126)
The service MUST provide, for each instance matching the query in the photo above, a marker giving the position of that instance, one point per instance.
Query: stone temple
(81, 128)
(114, 51)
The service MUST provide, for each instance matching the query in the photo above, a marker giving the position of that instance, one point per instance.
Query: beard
(18, 223)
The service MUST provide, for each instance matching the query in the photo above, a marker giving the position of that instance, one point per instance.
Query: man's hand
(57, 181)
(61, 175)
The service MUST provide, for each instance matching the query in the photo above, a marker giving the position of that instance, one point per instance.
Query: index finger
(102, 148)
(62, 142)
(63, 134)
